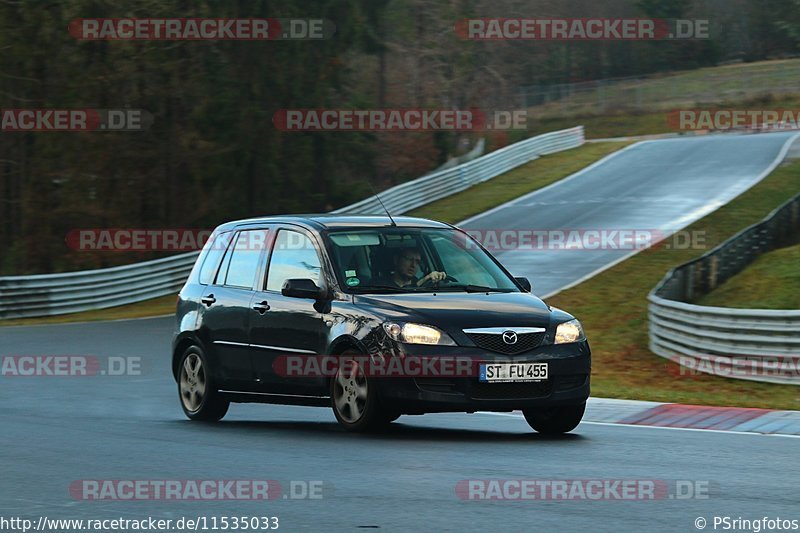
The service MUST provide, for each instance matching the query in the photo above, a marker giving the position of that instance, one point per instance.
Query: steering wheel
(448, 277)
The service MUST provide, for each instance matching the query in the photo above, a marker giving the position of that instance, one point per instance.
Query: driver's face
(407, 264)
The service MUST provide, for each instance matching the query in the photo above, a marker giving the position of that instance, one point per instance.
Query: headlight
(571, 331)
(417, 334)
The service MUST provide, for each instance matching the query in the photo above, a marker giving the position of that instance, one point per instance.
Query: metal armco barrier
(755, 344)
(410, 195)
(71, 292)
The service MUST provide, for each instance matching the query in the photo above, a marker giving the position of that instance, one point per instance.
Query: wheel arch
(181, 345)
(342, 344)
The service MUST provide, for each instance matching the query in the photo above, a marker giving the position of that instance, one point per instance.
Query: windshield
(413, 260)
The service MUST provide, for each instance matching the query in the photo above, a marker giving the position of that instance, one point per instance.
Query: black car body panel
(244, 330)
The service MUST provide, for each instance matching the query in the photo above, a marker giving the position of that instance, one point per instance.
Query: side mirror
(302, 288)
(524, 283)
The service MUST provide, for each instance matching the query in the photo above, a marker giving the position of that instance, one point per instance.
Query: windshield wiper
(477, 288)
(389, 288)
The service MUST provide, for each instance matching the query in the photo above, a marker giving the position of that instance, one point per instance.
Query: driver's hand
(433, 277)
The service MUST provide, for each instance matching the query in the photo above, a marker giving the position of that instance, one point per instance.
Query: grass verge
(611, 108)
(768, 283)
(629, 123)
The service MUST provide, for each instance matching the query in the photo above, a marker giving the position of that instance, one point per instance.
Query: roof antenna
(381, 202)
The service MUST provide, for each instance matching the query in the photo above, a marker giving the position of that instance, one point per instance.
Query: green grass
(629, 123)
(164, 305)
(699, 87)
(607, 126)
(513, 184)
(639, 107)
(771, 282)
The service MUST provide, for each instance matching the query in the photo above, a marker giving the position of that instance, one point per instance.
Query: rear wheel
(200, 399)
(355, 399)
(555, 420)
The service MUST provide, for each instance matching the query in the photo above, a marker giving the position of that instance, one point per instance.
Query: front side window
(293, 256)
(244, 258)
(468, 268)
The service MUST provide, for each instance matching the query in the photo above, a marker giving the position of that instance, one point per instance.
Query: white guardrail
(754, 344)
(71, 292)
(760, 345)
(421, 191)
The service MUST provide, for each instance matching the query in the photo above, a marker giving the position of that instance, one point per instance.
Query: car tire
(197, 391)
(555, 420)
(354, 398)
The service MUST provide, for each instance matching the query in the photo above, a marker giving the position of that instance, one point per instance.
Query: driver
(406, 261)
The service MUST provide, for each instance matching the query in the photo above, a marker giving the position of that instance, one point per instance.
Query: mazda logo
(510, 337)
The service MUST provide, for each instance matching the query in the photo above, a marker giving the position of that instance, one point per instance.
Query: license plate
(511, 372)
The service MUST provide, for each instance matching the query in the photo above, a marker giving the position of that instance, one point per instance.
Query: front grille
(495, 343)
(510, 391)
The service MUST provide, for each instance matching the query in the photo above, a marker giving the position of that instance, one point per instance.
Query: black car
(375, 317)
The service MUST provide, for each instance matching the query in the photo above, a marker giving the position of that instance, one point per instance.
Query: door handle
(208, 300)
(262, 307)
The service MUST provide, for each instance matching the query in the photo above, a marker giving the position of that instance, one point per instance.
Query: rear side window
(293, 256)
(244, 258)
(214, 253)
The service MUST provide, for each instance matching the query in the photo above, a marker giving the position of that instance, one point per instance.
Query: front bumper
(568, 382)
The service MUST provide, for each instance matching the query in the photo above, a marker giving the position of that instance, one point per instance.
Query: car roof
(325, 221)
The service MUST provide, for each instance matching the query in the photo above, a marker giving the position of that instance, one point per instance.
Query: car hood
(456, 310)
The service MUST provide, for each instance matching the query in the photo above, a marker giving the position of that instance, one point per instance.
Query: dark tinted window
(244, 258)
(214, 252)
(294, 256)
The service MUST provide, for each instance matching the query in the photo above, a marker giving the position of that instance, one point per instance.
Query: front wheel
(200, 399)
(555, 420)
(355, 399)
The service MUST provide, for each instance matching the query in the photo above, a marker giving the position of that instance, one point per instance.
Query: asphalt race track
(55, 431)
(660, 186)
